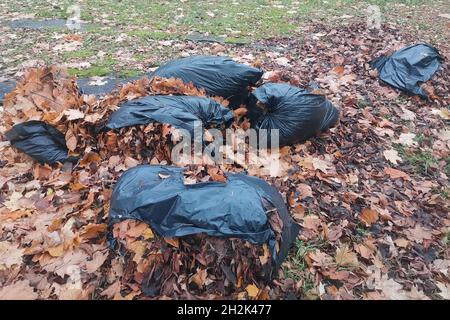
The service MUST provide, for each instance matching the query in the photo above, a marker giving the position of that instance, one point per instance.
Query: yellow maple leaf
(252, 290)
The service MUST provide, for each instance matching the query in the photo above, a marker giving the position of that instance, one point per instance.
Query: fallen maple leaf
(407, 139)
(322, 165)
(10, 255)
(392, 156)
(345, 257)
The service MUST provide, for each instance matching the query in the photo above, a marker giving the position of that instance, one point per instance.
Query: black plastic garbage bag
(219, 76)
(296, 113)
(180, 111)
(41, 141)
(408, 67)
(158, 196)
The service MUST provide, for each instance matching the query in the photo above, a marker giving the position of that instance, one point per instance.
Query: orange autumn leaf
(173, 242)
(92, 230)
(252, 290)
(395, 174)
(368, 216)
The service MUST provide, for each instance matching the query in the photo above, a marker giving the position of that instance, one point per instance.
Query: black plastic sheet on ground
(407, 68)
(219, 76)
(41, 141)
(182, 112)
(296, 113)
(158, 196)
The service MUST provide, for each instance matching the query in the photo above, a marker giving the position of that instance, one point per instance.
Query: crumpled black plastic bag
(41, 141)
(158, 196)
(219, 76)
(407, 68)
(180, 111)
(298, 114)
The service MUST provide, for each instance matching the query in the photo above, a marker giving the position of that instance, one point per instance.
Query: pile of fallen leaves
(79, 197)
(372, 196)
(188, 267)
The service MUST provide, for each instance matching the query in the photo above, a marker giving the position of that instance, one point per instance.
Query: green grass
(297, 267)
(446, 239)
(253, 19)
(361, 230)
(79, 54)
(233, 40)
(129, 73)
(363, 103)
(152, 35)
(297, 259)
(101, 68)
(421, 160)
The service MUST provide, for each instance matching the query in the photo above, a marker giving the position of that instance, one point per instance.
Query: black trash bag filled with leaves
(183, 112)
(41, 141)
(407, 68)
(219, 76)
(296, 113)
(238, 208)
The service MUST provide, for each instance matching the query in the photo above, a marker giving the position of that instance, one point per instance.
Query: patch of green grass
(296, 267)
(419, 138)
(78, 54)
(423, 26)
(446, 239)
(102, 68)
(363, 103)
(421, 160)
(129, 73)
(361, 231)
(233, 40)
(247, 19)
(139, 57)
(152, 35)
(444, 192)
(447, 166)
(99, 71)
(297, 259)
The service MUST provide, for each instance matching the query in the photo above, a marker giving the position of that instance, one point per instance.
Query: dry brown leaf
(92, 230)
(10, 255)
(252, 290)
(20, 290)
(173, 242)
(368, 216)
(71, 140)
(345, 257)
(395, 174)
